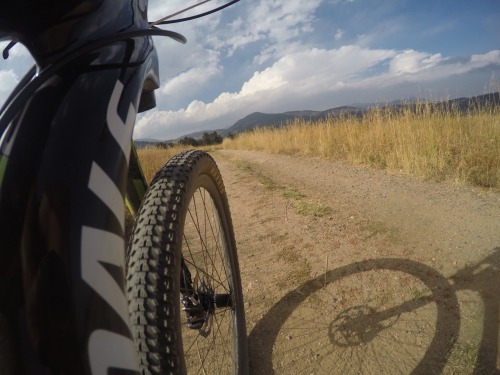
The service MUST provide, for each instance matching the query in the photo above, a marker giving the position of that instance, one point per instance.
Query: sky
(274, 56)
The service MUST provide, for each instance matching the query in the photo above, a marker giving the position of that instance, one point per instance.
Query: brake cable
(163, 21)
(159, 22)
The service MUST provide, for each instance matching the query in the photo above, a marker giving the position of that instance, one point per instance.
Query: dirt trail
(380, 273)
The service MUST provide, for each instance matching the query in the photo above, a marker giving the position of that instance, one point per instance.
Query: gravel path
(351, 270)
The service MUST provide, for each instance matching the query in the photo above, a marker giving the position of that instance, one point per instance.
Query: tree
(189, 141)
(211, 138)
(162, 145)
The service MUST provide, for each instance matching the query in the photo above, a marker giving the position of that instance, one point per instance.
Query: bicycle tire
(184, 216)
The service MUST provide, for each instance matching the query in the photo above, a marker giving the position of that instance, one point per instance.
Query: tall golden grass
(153, 158)
(435, 142)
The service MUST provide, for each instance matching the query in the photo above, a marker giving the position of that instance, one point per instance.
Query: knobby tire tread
(153, 263)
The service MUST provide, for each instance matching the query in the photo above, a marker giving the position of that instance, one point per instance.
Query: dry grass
(293, 193)
(435, 143)
(255, 171)
(316, 209)
(153, 158)
(306, 208)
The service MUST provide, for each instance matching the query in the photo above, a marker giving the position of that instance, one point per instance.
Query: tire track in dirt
(364, 287)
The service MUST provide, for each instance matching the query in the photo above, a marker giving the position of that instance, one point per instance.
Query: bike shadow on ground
(484, 278)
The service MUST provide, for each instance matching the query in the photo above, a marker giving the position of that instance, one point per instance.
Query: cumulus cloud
(188, 83)
(277, 23)
(415, 66)
(186, 71)
(192, 78)
(299, 80)
(287, 82)
(411, 61)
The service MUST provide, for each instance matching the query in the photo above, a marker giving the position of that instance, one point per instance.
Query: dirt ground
(350, 270)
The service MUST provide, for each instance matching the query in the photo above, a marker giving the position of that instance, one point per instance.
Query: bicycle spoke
(204, 249)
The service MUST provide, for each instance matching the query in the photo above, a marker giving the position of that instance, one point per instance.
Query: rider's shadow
(483, 278)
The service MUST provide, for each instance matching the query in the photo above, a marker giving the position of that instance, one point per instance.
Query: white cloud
(190, 79)
(307, 80)
(287, 82)
(338, 34)
(8, 80)
(186, 70)
(492, 57)
(411, 61)
(321, 69)
(190, 82)
(414, 66)
(277, 23)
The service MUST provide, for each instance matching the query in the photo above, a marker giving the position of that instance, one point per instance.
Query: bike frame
(65, 149)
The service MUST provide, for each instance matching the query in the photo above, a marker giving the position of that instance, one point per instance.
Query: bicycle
(72, 303)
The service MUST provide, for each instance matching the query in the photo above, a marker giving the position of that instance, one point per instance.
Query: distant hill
(259, 119)
(466, 103)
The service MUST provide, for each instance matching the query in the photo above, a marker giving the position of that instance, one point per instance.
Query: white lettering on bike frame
(108, 349)
(99, 247)
(121, 131)
(104, 187)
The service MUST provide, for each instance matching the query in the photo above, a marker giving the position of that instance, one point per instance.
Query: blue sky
(280, 55)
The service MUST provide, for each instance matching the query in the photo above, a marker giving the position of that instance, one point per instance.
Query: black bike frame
(64, 154)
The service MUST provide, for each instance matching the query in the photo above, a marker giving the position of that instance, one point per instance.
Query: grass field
(437, 143)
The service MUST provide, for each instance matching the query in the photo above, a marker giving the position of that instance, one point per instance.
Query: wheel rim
(210, 344)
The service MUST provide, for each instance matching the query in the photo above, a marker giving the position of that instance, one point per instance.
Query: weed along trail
(351, 270)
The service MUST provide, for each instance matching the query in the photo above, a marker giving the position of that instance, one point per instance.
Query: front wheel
(183, 280)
